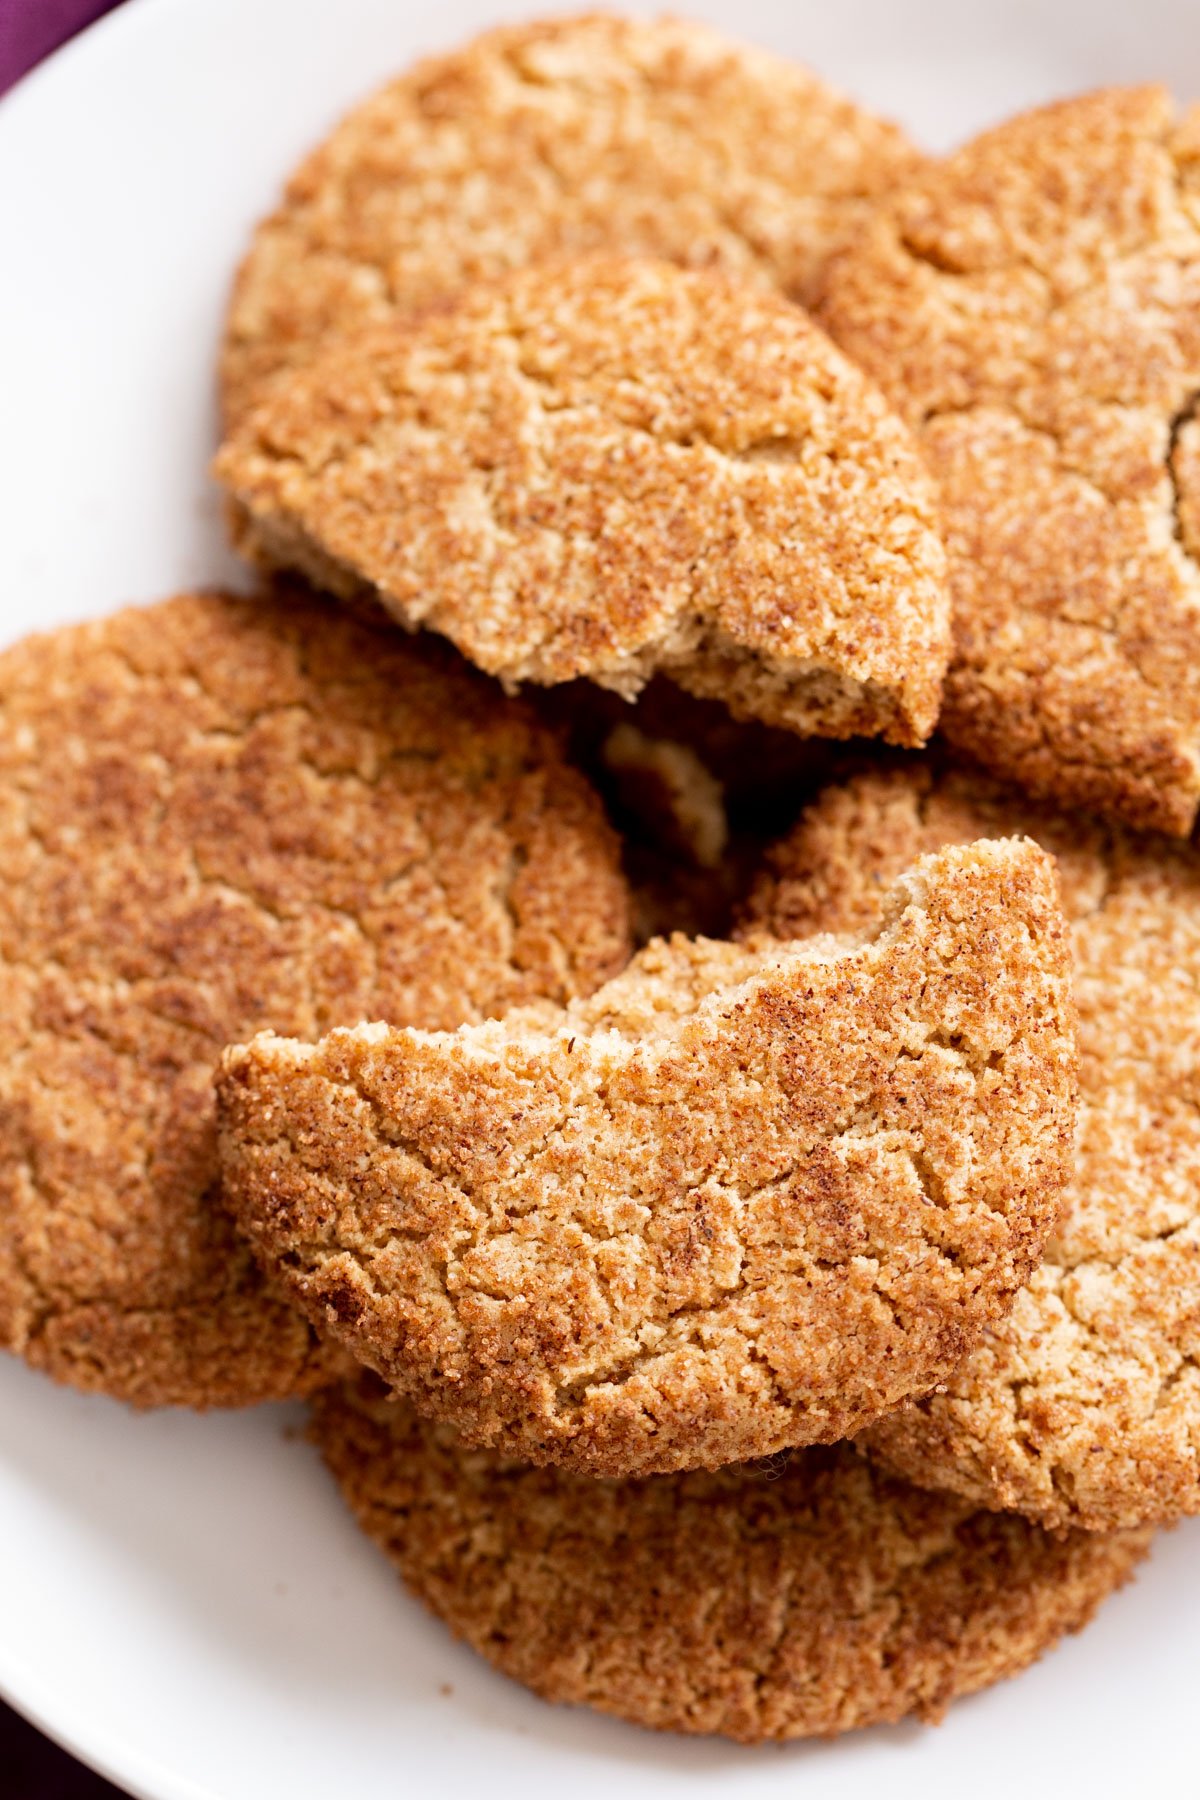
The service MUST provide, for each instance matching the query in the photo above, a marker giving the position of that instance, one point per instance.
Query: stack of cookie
(765, 1333)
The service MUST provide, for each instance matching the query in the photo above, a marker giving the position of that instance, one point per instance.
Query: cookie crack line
(575, 1395)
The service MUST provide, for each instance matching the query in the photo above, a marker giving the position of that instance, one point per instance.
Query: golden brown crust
(561, 138)
(1083, 1407)
(738, 1200)
(759, 1603)
(1030, 305)
(608, 468)
(216, 814)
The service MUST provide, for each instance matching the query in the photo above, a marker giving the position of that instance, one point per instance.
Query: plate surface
(183, 1601)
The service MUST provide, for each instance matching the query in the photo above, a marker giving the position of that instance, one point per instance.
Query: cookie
(757, 1603)
(1031, 306)
(705, 779)
(764, 774)
(739, 1200)
(1083, 1406)
(684, 873)
(607, 468)
(675, 791)
(217, 815)
(563, 138)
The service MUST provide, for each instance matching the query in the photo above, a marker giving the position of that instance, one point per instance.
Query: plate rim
(115, 1756)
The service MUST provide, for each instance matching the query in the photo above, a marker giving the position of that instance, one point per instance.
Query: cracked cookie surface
(216, 815)
(1031, 307)
(1083, 1406)
(741, 1199)
(608, 468)
(561, 138)
(758, 1603)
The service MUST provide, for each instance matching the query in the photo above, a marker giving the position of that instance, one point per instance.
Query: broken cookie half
(609, 468)
(746, 1197)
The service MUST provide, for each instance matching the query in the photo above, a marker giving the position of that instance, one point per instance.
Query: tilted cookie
(1031, 307)
(608, 468)
(560, 138)
(741, 1199)
(1083, 1406)
(684, 781)
(683, 873)
(674, 790)
(756, 1603)
(217, 815)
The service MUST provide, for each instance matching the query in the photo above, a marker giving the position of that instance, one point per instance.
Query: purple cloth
(32, 1769)
(31, 29)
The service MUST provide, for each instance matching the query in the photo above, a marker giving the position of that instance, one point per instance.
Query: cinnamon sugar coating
(608, 468)
(761, 1604)
(1031, 306)
(740, 1199)
(1083, 1406)
(564, 137)
(217, 814)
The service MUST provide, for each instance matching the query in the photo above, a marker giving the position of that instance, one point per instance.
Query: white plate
(183, 1601)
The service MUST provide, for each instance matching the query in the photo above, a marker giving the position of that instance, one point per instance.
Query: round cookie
(738, 1200)
(562, 138)
(609, 468)
(1031, 306)
(1083, 1406)
(217, 815)
(757, 1603)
